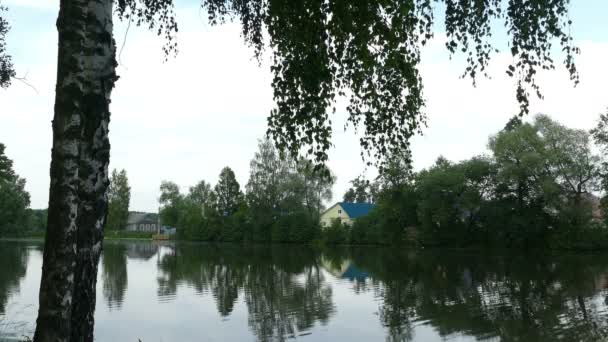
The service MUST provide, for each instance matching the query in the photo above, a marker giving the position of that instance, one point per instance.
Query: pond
(204, 292)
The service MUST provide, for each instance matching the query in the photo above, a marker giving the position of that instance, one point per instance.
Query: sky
(185, 119)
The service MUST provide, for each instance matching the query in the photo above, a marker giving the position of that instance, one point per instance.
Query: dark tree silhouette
(279, 303)
(114, 274)
(13, 262)
(228, 193)
(6, 65)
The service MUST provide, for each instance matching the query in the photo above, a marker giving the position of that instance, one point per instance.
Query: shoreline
(317, 244)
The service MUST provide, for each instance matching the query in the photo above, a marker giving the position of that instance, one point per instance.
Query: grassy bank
(127, 235)
(591, 238)
(109, 235)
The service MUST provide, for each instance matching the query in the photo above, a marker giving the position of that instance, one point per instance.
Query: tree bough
(6, 65)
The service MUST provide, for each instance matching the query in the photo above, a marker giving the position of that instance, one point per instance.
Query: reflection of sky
(22, 306)
(190, 316)
(187, 317)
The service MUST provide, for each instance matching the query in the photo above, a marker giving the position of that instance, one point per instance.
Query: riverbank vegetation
(540, 185)
(16, 217)
(282, 202)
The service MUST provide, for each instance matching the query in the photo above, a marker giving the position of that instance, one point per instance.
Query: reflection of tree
(225, 288)
(283, 287)
(510, 298)
(141, 250)
(115, 278)
(13, 264)
(279, 306)
(514, 298)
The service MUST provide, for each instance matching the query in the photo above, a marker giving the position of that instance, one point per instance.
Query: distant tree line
(542, 185)
(16, 216)
(282, 202)
(17, 219)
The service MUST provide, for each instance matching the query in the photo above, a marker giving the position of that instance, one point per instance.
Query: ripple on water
(356, 295)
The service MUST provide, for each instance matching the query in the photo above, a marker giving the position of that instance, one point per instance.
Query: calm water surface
(201, 292)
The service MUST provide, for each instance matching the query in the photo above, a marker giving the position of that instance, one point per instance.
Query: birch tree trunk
(79, 171)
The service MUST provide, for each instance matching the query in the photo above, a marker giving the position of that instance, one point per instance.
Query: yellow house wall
(335, 212)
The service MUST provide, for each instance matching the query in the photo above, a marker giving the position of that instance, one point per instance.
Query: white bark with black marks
(79, 171)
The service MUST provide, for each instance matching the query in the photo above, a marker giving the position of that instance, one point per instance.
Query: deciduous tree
(266, 169)
(202, 196)
(600, 137)
(119, 196)
(14, 200)
(317, 186)
(361, 191)
(6, 65)
(228, 193)
(572, 163)
(170, 201)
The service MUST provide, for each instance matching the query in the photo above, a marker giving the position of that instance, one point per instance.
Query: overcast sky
(185, 119)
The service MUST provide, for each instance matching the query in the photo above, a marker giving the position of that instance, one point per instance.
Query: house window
(339, 211)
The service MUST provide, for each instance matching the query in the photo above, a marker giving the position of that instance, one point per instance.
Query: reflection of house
(346, 212)
(142, 222)
(344, 270)
(141, 250)
(166, 230)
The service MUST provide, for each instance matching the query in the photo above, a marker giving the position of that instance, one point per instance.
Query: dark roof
(137, 217)
(356, 210)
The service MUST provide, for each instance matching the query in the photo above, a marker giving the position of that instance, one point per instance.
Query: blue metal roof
(353, 273)
(356, 210)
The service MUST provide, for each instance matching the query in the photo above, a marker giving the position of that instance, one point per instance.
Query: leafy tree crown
(369, 51)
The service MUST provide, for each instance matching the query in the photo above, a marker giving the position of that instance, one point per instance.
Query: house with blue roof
(345, 212)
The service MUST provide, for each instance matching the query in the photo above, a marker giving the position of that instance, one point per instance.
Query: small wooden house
(142, 222)
(345, 212)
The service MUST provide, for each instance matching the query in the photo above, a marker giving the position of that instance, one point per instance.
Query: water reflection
(512, 298)
(284, 289)
(114, 274)
(13, 264)
(273, 293)
(141, 250)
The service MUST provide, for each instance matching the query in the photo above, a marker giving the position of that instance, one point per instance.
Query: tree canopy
(361, 191)
(170, 201)
(366, 50)
(228, 193)
(539, 187)
(119, 196)
(14, 200)
(6, 65)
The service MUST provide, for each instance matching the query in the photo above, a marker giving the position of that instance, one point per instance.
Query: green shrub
(336, 233)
